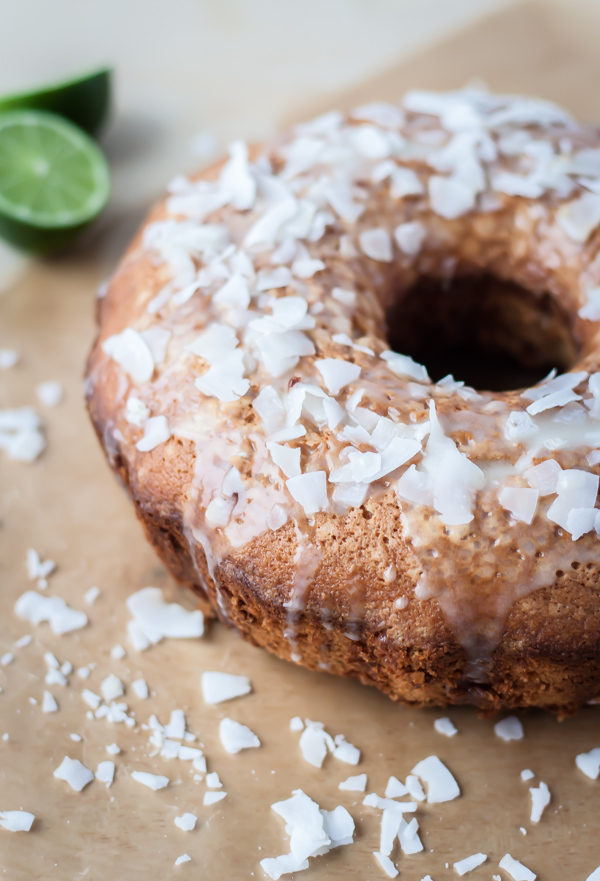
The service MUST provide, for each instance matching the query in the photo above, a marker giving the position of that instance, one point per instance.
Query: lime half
(85, 100)
(54, 180)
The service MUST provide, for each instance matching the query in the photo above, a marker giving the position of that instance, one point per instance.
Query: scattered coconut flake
(414, 788)
(218, 687)
(445, 726)
(35, 608)
(527, 774)
(405, 367)
(313, 745)
(519, 426)
(118, 652)
(37, 569)
(74, 773)
(509, 729)
(450, 197)
(152, 781)
(386, 864)
(136, 412)
(49, 704)
(8, 358)
(184, 858)
(312, 832)
(211, 798)
(112, 688)
(441, 785)
(21, 435)
(91, 698)
(589, 763)
(154, 618)
(91, 595)
(105, 772)
(469, 863)
(516, 870)
(296, 724)
(540, 799)
(213, 781)
(395, 788)
(113, 749)
(235, 737)
(354, 784)
(16, 821)
(187, 822)
(346, 752)
(140, 688)
(49, 393)
(595, 876)
(6, 659)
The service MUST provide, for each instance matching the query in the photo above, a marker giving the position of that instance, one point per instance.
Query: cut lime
(85, 100)
(54, 180)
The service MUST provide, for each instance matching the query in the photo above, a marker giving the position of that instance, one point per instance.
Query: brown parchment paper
(69, 507)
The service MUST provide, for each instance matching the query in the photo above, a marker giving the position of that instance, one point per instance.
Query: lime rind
(32, 123)
(84, 99)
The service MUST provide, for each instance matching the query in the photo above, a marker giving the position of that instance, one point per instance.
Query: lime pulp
(85, 99)
(54, 180)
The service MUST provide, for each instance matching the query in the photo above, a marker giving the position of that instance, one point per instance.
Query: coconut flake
(211, 798)
(157, 619)
(580, 217)
(589, 763)
(543, 477)
(386, 864)
(516, 870)
(376, 244)
(131, 353)
(509, 728)
(152, 781)
(21, 434)
(410, 237)
(576, 490)
(112, 688)
(16, 821)
(404, 366)
(36, 608)
(49, 393)
(49, 704)
(310, 491)
(74, 773)
(454, 478)
(184, 858)
(187, 822)
(441, 785)
(346, 752)
(469, 863)
(286, 458)
(520, 501)
(337, 374)
(519, 427)
(590, 311)
(8, 358)
(235, 737)
(445, 726)
(105, 772)
(313, 745)
(540, 799)
(450, 197)
(395, 788)
(218, 687)
(358, 783)
(156, 432)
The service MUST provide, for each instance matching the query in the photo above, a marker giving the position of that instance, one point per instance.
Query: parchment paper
(69, 507)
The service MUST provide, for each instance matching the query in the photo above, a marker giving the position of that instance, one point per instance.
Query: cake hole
(491, 334)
